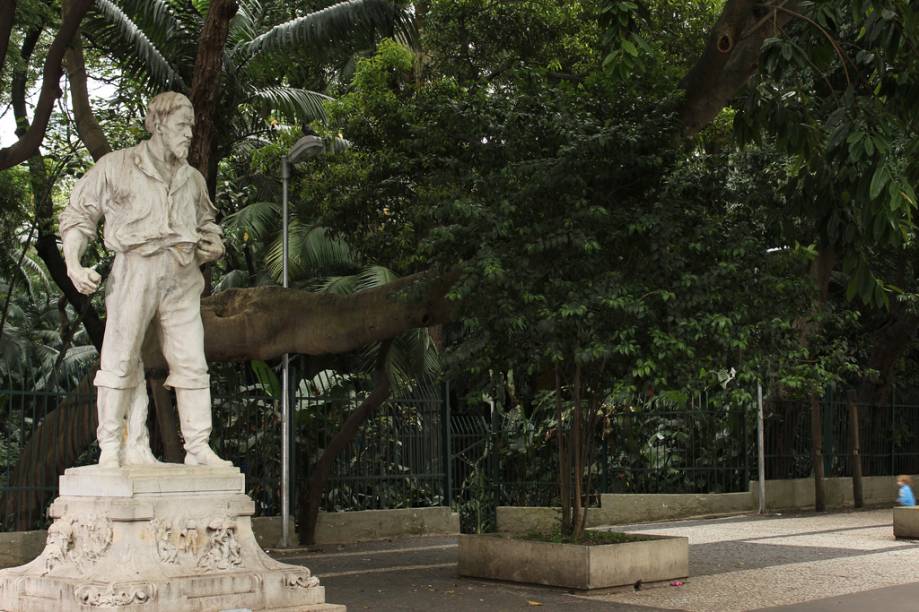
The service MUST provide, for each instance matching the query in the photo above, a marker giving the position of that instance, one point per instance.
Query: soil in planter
(590, 538)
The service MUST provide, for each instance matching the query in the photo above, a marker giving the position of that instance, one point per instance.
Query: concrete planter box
(574, 566)
(906, 522)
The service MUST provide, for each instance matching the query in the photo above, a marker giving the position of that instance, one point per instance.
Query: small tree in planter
(591, 282)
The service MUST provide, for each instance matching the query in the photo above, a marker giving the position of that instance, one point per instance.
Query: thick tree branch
(87, 127)
(308, 508)
(730, 58)
(7, 15)
(266, 322)
(29, 142)
(46, 244)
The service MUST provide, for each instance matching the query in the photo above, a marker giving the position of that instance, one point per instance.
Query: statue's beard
(179, 152)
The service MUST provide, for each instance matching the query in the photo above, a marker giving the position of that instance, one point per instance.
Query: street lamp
(308, 146)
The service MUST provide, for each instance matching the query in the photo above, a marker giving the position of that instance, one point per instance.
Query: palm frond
(339, 285)
(111, 28)
(367, 278)
(415, 356)
(26, 281)
(156, 17)
(294, 103)
(13, 346)
(51, 337)
(77, 361)
(258, 220)
(312, 252)
(244, 26)
(31, 268)
(172, 27)
(334, 24)
(375, 276)
(202, 6)
(326, 385)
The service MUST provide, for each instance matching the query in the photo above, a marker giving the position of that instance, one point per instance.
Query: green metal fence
(398, 459)
(889, 438)
(419, 451)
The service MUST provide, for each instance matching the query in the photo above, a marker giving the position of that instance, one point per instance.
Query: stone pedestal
(166, 538)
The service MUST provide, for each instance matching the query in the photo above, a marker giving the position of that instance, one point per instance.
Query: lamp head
(307, 146)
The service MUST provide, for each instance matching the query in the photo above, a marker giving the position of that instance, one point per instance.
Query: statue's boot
(111, 405)
(137, 446)
(195, 420)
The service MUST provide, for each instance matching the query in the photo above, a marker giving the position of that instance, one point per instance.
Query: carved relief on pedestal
(300, 580)
(222, 549)
(109, 596)
(78, 540)
(207, 544)
(165, 549)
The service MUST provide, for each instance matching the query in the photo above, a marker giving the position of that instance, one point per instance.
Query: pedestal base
(164, 538)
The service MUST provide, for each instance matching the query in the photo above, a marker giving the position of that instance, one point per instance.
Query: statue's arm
(210, 245)
(78, 227)
(86, 280)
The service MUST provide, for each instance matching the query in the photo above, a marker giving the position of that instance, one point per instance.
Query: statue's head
(170, 118)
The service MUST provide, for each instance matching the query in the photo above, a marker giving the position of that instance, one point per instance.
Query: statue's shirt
(144, 213)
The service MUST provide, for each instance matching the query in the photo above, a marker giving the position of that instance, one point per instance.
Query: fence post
(760, 448)
(857, 495)
(446, 445)
(292, 404)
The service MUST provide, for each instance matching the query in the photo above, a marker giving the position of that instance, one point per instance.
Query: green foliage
(269, 381)
(837, 97)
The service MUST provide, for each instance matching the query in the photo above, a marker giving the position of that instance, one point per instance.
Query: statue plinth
(163, 538)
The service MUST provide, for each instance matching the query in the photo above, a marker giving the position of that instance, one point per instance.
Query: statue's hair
(163, 105)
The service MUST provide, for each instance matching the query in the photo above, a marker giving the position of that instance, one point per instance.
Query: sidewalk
(844, 562)
(419, 574)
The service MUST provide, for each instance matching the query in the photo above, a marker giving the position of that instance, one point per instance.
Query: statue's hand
(208, 249)
(86, 280)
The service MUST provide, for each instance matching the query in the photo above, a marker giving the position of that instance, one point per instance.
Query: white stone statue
(159, 221)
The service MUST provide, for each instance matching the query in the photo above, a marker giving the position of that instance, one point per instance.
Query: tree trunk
(822, 268)
(205, 88)
(319, 475)
(566, 524)
(578, 441)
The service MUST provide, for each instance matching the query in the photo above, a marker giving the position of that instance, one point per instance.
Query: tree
(597, 260)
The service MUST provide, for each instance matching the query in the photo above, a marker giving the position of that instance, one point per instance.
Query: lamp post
(308, 146)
